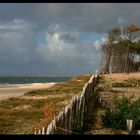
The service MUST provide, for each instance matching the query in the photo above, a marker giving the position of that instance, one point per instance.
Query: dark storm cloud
(86, 17)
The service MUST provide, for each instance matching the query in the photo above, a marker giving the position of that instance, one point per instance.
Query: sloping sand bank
(14, 91)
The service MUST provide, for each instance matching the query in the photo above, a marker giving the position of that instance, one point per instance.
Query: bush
(112, 120)
(133, 81)
(122, 84)
(124, 109)
(127, 83)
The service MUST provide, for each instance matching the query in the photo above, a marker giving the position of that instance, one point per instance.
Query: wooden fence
(70, 119)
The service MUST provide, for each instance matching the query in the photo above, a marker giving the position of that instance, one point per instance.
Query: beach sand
(15, 91)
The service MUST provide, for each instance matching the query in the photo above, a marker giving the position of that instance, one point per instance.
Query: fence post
(51, 127)
(54, 126)
(138, 132)
(39, 132)
(48, 130)
(129, 125)
(73, 114)
(72, 117)
(78, 112)
(43, 130)
(35, 133)
(100, 100)
(66, 119)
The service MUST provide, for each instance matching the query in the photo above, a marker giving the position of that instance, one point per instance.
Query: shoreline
(16, 91)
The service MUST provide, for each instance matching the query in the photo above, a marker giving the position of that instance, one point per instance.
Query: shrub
(122, 84)
(124, 109)
(133, 81)
(127, 83)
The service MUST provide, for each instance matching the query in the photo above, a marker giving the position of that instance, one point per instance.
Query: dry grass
(117, 85)
(73, 86)
(109, 94)
(37, 108)
(119, 77)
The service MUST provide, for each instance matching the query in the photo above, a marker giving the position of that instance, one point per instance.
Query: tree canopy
(121, 49)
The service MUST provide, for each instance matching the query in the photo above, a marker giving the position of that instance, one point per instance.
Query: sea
(19, 81)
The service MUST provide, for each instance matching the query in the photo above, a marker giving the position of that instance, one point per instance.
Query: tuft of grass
(130, 82)
(125, 109)
(17, 102)
(122, 84)
(14, 121)
(135, 82)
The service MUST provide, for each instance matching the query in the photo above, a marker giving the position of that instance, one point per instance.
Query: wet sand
(15, 91)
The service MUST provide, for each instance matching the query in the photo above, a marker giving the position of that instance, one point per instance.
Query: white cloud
(56, 48)
(62, 48)
(16, 25)
(78, 53)
(97, 44)
(122, 21)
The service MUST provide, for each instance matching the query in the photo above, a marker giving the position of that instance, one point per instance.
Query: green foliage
(112, 120)
(135, 47)
(124, 109)
(28, 132)
(122, 84)
(127, 83)
(20, 114)
(121, 42)
(133, 81)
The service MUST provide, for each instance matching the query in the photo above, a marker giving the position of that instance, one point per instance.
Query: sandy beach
(15, 91)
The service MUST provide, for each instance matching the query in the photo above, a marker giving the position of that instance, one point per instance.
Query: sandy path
(15, 91)
(118, 77)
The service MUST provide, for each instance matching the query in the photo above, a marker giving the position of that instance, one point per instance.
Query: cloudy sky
(50, 39)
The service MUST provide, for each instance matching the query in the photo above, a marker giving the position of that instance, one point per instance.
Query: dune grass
(24, 115)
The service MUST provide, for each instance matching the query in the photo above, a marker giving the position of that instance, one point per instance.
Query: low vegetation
(127, 83)
(123, 84)
(37, 108)
(125, 109)
(74, 85)
(118, 100)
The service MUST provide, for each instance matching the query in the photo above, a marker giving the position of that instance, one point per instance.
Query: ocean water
(9, 81)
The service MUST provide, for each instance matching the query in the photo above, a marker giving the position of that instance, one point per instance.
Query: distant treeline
(121, 50)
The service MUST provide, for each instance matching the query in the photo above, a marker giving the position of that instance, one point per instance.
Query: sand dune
(14, 91)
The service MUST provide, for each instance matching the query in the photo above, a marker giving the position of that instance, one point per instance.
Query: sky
(53, 39)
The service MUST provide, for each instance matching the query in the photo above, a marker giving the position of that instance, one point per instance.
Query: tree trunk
(126, 62)
(108, 61)
(139, 63)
